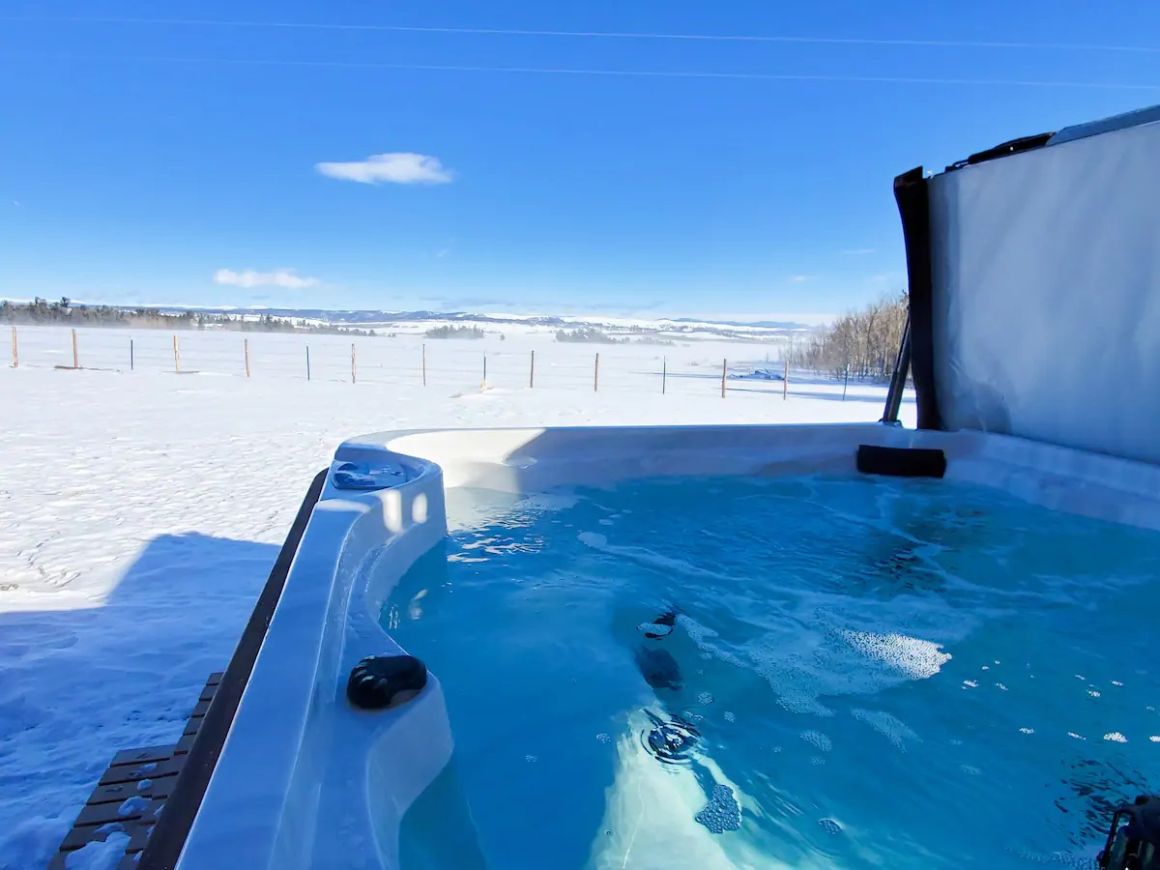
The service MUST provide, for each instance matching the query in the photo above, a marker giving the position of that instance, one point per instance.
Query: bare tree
(864, 342)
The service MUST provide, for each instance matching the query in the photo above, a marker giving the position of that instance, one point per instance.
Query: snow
(140, 512)
(99, 855)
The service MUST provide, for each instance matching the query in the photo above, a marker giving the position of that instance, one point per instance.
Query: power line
(580, 71)
(594, 34)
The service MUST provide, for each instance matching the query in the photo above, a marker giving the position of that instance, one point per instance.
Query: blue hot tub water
(803, 671)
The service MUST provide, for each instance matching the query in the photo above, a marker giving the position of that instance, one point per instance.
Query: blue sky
(179, 162)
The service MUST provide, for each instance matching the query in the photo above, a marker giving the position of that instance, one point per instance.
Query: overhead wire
(591, 34)
(581, 71)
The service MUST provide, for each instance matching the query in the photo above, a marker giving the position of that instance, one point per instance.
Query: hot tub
(732, 646)
(781, 745)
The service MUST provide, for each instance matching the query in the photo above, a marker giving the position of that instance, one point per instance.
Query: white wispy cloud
(858, 252)
(276, 278)
(396, 167)
(800, 279)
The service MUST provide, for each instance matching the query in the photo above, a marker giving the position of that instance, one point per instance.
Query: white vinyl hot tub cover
(1045, 293)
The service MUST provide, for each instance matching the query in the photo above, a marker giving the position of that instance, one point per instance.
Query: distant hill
(350, 320)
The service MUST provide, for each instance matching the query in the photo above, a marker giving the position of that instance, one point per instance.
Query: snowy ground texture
(140, 511)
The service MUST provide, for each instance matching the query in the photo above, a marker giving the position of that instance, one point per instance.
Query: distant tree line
(588, 335)
(273, 323)
(454, 332)
(592, 335)
(65, 311)
(42, 311)
(866, 341)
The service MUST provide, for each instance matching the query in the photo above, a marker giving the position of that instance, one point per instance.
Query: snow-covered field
(140, 511)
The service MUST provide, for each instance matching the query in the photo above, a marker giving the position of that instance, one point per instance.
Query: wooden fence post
(532, 372)
(664, 374)
(424, 364)
(132, 361)
(176, 356)
(15, 350)
(596, 375)
(484, 384)
(246, 354)
(307, 362)
(846, 382)
(353, 366)
(76, 358)
(724, 368)
(785, 381)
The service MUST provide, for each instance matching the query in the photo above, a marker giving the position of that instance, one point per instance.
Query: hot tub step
(132, 791)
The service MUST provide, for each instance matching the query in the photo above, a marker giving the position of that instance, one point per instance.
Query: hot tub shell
(306, 780)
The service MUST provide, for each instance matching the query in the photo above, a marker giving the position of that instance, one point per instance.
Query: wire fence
(412, 360)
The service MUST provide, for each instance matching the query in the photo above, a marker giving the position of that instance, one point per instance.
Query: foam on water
(825, 661)
(818, 740)
(830, 826)
(888, 725)
(908, 655)
(722, 813)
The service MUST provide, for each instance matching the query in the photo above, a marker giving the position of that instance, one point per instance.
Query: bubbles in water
(722, 813)
(1155, 738)
(970, 684)
(912, 656)
(804, 705)
(1075, 736)
(698, 633)
(1000, 687)
(817, 761)
(1026, 730)
(1115, 737)
(1094, 693)
(1065, 859)
(817, 739)
(531, 759)
(704, 698)
(603, 738)
(970, 770)
(690, 716)
(1116, 683)
(889, 726)
(729, 717)
(830, 826)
